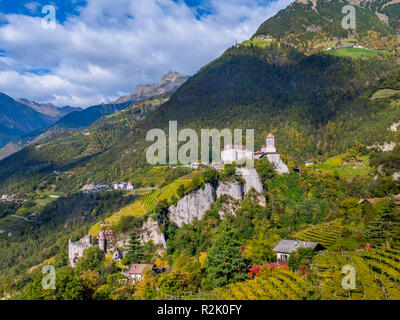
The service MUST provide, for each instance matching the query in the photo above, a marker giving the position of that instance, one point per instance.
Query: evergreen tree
(386, 226)
(135, 249)
(224, 263)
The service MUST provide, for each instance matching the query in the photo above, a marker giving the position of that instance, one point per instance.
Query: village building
(35, 214)
(94, 187)
(285, 247)
(136, 272)
(122, 186)
(10, 198)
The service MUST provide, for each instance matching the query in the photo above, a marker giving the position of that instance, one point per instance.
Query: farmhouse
(285, 247)
(137, 271)
(372, 201)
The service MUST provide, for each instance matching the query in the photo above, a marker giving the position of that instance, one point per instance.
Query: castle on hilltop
(75, 249)
(232, 153)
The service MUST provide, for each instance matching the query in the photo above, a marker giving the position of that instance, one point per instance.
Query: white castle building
(233, 153)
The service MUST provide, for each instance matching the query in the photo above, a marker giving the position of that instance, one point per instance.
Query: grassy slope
(356, 53)
(145, 205)
(335, 164)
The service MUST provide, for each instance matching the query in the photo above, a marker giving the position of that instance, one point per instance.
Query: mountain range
(297, 76)
(17, 119)
(70, 118)
(169, 82)
(49, 109)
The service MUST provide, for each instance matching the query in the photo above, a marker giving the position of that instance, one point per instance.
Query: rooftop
(140, 268)
(289, 246)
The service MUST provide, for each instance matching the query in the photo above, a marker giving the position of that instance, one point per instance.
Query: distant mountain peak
(48, 109)
(169, 82)
(170, 76)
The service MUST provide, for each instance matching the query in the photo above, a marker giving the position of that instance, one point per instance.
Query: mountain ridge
(17, 119)
(169, 82)
(49, 109)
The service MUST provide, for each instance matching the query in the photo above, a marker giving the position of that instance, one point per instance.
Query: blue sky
(102, 49)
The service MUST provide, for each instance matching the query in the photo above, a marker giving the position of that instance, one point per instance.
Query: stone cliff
(196, 203)
(193, 205)
(277, 163)
(151, 231)
(230, 188)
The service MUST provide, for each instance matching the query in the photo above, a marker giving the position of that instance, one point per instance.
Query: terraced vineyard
(377, 274)
(325, 234)
(145, 205)
(281, 284)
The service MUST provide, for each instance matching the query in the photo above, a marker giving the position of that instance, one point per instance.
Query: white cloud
(112, 46)
(32, 6)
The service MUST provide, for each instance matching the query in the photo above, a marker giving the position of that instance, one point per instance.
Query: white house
(285, 247)
(122, 186)
(136, 272)
(233, 153)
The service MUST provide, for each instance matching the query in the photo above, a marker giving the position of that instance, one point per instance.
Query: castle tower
(270, 144)
(102, 241)
(87, 240)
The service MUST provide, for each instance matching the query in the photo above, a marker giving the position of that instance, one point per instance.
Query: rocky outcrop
(394, 126)
(229, 206)
(252, 180)
(232, 188)
(193, 205)
(169, 82)
(277, 163)
(151, 231)
(385, 147)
